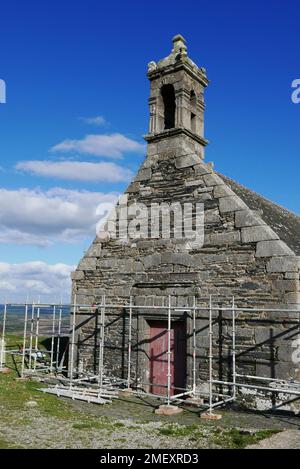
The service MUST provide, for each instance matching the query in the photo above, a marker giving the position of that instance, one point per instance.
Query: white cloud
(77, 170)
(43, 217)
(7, 286)
(33, 279)
(97, 120)
(110, 146)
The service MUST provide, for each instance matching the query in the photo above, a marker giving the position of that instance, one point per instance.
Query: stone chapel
(250, 252)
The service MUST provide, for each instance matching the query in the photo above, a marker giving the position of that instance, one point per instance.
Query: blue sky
(66, 63)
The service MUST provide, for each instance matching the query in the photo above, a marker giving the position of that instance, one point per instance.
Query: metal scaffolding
(100, 387)
(28, 318)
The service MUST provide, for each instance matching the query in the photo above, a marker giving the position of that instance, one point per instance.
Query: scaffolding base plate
(168, 410)
(208, 416)
(5, 371)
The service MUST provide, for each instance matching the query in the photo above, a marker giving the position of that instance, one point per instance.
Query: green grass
(226, 438)
(15, 393)
(121, 440)
(234, 438)
(101, 423)
(176, 430)
(6, 445)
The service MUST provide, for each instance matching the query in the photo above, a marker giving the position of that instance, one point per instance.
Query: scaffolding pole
(194, 347)
(169, 353)
(52, 338)
(198, 308)
(31, 334)
(4, 320)
(233, 350)
(73, 343)
(129, 344)
(280, 390)
(2, 343)
(210, 358)
(24, 340)
(37, 331)
(101, 341)
(57, 364)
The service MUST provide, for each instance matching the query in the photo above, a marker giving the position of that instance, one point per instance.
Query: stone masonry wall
(241, 257)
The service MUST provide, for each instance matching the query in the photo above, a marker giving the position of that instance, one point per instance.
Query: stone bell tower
(177, 104)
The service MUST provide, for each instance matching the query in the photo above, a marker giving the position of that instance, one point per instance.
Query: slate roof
(285, 223)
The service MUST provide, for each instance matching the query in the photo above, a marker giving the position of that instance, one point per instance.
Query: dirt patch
(33, 419)
(289, 439)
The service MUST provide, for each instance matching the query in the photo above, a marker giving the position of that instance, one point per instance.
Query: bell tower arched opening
(193, 102)
(168, 95)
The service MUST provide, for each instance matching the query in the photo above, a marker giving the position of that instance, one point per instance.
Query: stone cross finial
(179, 45)
(152, 66)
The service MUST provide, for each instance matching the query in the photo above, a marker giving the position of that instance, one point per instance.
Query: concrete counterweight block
(168, 410)
(210, 416)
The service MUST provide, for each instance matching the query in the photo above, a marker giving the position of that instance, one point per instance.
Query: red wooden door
(159, 357)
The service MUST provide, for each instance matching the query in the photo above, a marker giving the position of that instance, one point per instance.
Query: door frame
(144, 344)
(179, 333)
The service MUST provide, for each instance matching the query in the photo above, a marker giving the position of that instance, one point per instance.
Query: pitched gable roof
(286, 224)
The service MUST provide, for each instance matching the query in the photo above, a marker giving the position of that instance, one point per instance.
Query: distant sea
(15, 316)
